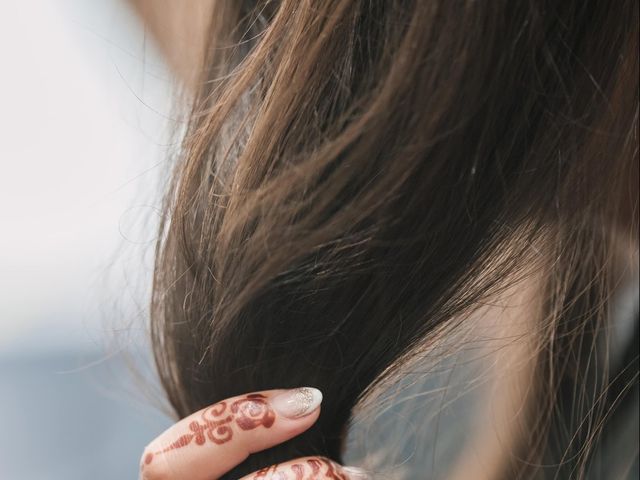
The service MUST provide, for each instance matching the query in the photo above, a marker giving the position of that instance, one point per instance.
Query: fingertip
(297, 403)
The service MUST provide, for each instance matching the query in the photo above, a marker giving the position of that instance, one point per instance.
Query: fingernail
(297, 403)
(355, 473)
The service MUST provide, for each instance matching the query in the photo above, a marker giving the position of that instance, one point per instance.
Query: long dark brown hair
(357, 175)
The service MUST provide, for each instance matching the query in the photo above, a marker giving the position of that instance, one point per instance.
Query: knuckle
(153, 470)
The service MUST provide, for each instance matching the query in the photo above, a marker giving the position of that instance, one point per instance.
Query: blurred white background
(85, 122)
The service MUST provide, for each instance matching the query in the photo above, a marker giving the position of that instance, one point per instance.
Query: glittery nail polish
(298, 402)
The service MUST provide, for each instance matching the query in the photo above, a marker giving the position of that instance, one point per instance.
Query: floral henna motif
(311, 469)
(215, 422)
(330, 473)
(252, 412)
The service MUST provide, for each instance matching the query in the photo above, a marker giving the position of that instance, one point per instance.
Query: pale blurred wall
(85, 117)
(85, 101)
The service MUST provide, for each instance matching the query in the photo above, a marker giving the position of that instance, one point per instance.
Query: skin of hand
(212, 441)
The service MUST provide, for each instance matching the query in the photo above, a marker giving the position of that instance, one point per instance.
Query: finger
(308, 468)
(212, 441)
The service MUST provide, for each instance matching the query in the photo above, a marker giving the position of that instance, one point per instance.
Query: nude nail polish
(297, 403)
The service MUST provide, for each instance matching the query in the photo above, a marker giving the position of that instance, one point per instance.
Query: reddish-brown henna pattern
(298, 470)
(312, 469)
(315, 466)
(332, 473)
(215, 422)
(252, 412)
(271, 473)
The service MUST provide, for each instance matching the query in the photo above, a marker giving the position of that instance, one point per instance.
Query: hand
(209, 443)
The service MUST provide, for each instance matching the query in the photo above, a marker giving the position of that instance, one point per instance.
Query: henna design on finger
(311, 469)
(330, 472)
(215, 423)
(271, 473)
(252, 412)
(298, 470)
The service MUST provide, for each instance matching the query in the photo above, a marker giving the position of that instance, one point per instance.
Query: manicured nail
(297, 403)
(355, 473)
